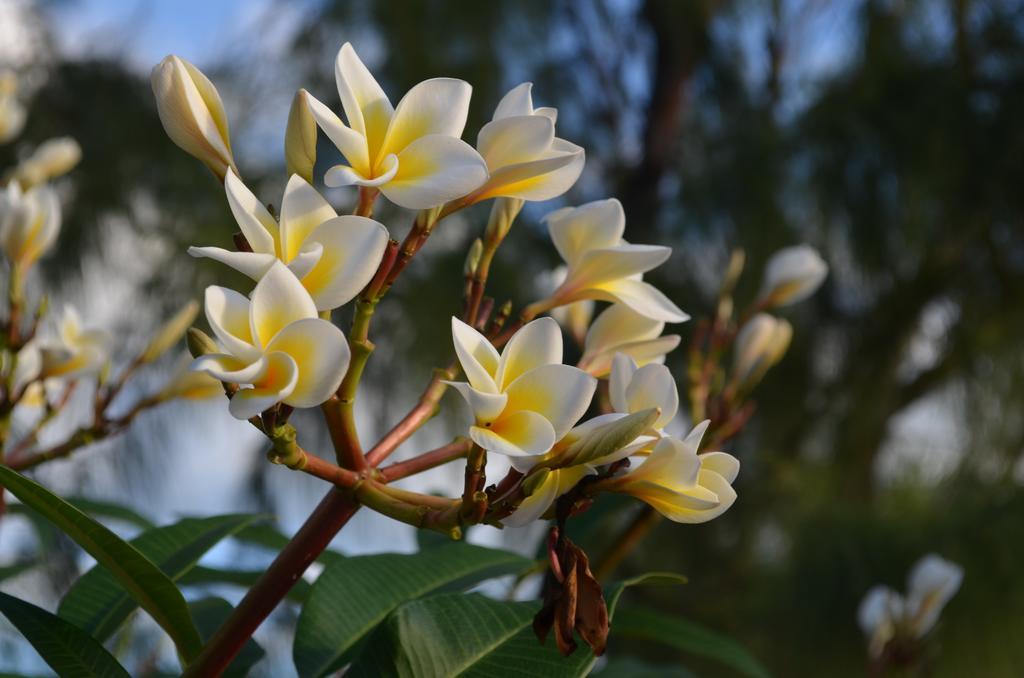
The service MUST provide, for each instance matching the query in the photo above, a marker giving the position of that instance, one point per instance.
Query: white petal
(645, 299)
(535, 180)
(302, 210)
(223, 367)
(321, 354)
(436, 106)
(227, 311)
(258, 226)
(433, 170)
(623, 369)
(672, 464)
(619, 324)
(274, 385)
(559, 393)
(485, 406)
(278, 300)
(352, 144)
(514, 140)
(534, 506)
(306, 259)
(342, 175)
(932, 582)
(518, 434)
(537, 343)
(609, 264)
(576, 230)
(477, 356)
(366, 105)
(352, 249)
(721, 463)
(653, 386)
(248, 263)
(518, 101)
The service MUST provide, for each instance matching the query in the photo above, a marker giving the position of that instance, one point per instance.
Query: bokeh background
(888, 134)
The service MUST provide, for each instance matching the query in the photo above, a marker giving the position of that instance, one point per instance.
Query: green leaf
(201, 574)
(98, 604)
(67, 649)
(687, 637)
(627, 667)
(105, 509)
(144, 580)
(209, 614)
(353, 595)
(472, 635)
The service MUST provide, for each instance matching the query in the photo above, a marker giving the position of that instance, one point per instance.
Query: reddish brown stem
(333, 512)
(424, 410)
(428, 460)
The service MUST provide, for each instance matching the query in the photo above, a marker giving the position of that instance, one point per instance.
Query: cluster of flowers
(35, 368)
(275, 348)
(894, 624)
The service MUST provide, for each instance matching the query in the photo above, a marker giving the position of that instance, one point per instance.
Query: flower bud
(476, 250)
(760, 344)
(12, 113)
(535, 480)
(192, 113)
(503, 212)
(199, 343)
(53, 158)
(300, 138)
(170, 333)
(791, 275)
(29, 222)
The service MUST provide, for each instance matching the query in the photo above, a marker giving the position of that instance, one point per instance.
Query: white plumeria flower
(77, 352)
(605, 267)
(53, 158)
(792, 274)
(633, 389)
(680, 484)
(759, 345)
(884, 614)
(334, 257)
(275, 344)
(192, 113)
(524, 157)
(932, 582)
(29, 222)
(878, 615)
(411, 152)
(524, 400)
(620, 329)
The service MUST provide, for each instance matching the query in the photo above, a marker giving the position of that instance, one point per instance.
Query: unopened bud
(300, 138)
(192, 113)
(760, 345)
(503, 212)
(476, 250)
(170, 332)
(601, 445)
(791, 275)
(189, 385)
(53, 158)
(199, 343)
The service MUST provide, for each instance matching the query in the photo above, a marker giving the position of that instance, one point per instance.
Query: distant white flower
(759, 345)
(884, 614)
(29, 222)
(77, 352)
(53, 158)
(793, 274)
